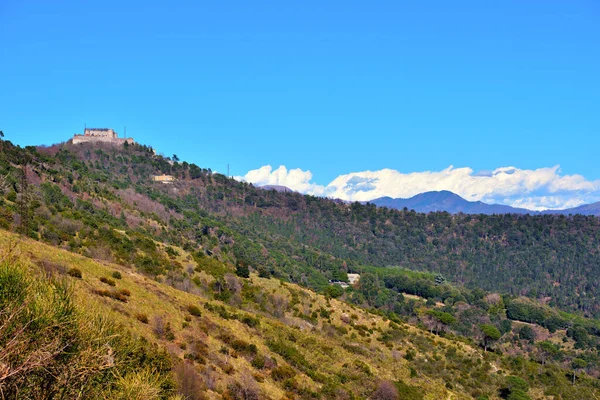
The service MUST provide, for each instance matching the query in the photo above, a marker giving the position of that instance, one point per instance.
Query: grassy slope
(155, 299)
(356, 358)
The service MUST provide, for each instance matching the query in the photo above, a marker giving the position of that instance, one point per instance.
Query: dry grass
(319, 343)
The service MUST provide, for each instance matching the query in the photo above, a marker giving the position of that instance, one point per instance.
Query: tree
(578, 364)
(527, 333)
(334, 291)
(369, 286)
(547, 349)
(490, 334)
(516, 389)
(441, 319)
(175, 158)
(242, 270)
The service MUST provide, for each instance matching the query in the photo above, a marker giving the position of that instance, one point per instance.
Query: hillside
(485, 282)
(298, 238)
(275, 340)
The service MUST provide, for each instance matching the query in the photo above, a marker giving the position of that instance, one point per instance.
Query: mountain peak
(445, 200)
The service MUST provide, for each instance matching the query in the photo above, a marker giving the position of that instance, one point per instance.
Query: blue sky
(333, 88)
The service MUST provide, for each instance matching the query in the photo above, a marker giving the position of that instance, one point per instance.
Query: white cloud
(295, 179)
(542, 188)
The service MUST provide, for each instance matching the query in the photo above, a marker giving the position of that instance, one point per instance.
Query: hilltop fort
(104, 135)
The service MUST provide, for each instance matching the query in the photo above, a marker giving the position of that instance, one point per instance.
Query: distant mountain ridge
(451, 202)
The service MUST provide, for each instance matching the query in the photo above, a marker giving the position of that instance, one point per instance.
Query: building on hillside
(104, 135)
(163, 178)
(343, 284)
(353, 278)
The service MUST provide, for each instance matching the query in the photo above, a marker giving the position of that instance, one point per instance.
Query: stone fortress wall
(104, 135)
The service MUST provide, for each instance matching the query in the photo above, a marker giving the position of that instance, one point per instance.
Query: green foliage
(242, 346)
(290, 354)
(408, 392)
(194, 310)
(514, 382)
(518, 395)
(100, 202)
(490, 334)
(443, 317)
(242, 270)
(282, 373)
(490, 331)
(74, 272)
(334, 291)
(526, 333)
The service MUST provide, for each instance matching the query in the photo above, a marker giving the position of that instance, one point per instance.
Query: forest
(520, 285)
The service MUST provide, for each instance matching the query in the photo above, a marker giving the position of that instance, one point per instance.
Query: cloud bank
(539, 189)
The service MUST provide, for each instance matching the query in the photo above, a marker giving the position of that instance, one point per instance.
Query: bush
(258, 362)
(250, 321)
(515, 389)
(194, 310)
(527, 333)
(514, 382)
(143, 318)
(75, 273)
(334, 291)
(244, 347)
(242, 270)
(113, 294)
(108, 281)
(282, 373)
(408, 392)
(116, 275)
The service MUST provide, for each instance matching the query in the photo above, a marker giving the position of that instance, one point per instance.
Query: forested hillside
(500, 283)
(307, 239)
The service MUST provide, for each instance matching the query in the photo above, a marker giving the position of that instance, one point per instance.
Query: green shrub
(282, 373)
(116, 275)
(252, 322)
(514, 382)
(244, 347)
(407, 392)
(75, 273)
(258, 362)
(290, 354)
(194, 310)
